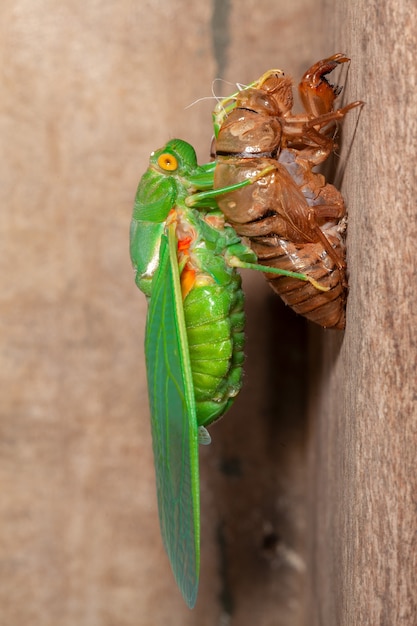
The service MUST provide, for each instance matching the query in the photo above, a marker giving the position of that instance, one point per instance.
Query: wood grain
(363, 549)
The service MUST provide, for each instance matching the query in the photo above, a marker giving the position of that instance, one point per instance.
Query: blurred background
(88, 91)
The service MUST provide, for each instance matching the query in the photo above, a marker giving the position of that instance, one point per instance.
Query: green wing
(174, 422)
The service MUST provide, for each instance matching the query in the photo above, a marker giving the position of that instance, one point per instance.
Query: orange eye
(167, 162)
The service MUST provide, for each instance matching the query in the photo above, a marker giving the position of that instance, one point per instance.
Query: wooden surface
(363, 427)
(88, 90)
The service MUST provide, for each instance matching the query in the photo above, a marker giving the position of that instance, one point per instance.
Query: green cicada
(185, 259)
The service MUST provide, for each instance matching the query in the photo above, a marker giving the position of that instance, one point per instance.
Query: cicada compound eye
(167, 162)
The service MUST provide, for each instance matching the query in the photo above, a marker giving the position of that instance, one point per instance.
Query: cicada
(292, 217)
(185, 258)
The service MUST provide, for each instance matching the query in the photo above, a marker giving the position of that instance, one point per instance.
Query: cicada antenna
(214, 96)
(200, 100)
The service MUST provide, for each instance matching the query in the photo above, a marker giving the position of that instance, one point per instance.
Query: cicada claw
(316, 93)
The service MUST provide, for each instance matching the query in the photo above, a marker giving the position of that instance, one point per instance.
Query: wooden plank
(362, 442)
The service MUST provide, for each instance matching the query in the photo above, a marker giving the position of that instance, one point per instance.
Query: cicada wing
(290, 202)
(174, 422)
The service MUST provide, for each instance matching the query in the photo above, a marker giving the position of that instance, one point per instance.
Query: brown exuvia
(292, 217)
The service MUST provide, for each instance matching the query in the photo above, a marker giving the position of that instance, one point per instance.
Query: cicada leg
(311, 129)
(316, 93)
(205, 198)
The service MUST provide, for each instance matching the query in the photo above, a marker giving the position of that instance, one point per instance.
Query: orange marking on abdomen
(187, 281)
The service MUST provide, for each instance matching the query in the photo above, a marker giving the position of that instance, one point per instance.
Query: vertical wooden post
(363, 429)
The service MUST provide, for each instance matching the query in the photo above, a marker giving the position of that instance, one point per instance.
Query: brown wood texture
(88, 90)
(363, 544)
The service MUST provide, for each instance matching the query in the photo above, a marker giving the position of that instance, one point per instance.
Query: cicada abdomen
(213, 312)
(293, 218)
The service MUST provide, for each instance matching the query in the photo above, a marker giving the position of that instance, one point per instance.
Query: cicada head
(279, 88)
(176, 158)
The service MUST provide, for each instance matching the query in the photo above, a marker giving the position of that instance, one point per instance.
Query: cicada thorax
(252, 128)
(214, 319)
(291, 215)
